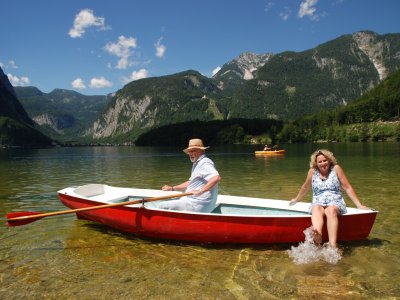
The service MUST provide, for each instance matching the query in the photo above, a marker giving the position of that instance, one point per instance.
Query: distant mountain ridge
(293, 84)
(159, 101)
(9, 105)
(382, 51)
(63, 114)
(236, 71)
(283, 86)
(16, 127)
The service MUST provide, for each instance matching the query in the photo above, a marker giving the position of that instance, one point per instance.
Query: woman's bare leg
(332, 223)
(317, 220)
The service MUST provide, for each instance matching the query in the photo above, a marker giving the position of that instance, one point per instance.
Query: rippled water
(61, 257)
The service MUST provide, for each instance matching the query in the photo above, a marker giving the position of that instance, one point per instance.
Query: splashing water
(307, 252)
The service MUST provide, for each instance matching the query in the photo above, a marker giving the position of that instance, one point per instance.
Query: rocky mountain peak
(244, 66)
(6, 83)
(249, 62)
(373, 47)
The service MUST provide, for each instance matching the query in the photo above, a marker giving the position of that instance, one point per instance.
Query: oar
(26, 217)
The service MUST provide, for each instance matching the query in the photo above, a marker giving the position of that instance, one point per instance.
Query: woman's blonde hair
(328, 154)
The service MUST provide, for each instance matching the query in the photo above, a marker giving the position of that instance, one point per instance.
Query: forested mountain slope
(16, 127)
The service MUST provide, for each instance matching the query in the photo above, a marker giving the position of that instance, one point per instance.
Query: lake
(62, 257)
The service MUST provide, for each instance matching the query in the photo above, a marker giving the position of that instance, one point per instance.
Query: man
(203, 182)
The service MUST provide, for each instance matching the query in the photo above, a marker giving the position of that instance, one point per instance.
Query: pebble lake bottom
(69, 258)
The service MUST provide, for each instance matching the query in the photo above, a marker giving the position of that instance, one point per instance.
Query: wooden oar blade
(16, 218)
(26, 217)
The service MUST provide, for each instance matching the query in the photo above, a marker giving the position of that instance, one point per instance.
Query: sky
(96, 47)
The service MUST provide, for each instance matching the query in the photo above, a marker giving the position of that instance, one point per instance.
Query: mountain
(283, 86)
(62, 114)
(16, 127)
(234, 73)
(291, 84)
(9, 105)
(157, 101)
(374, 116)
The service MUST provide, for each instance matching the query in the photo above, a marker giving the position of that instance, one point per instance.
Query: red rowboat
(234, 220)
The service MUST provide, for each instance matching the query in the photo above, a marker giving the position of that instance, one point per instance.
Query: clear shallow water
(64, 257)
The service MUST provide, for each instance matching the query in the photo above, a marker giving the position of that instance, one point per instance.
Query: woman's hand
(293, 202)
(363, 207)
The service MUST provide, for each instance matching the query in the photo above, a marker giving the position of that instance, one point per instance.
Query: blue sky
(96, 47)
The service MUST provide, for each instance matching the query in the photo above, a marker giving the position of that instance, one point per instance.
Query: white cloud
(78, 84)
(160, 48)
(285, 14)
(16, 81)
(216, 70)
(307, 9)
(122, 49)
(85, 19)
(268, 6)
(98, 83)
(142, 73)
(12, 64)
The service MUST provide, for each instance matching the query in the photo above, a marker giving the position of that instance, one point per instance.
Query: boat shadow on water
(103, 229)
(346, 246)
(349, 246)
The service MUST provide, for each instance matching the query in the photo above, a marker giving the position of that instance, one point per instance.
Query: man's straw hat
(195, 144)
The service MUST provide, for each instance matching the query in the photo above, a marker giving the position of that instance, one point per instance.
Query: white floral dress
(326, 192)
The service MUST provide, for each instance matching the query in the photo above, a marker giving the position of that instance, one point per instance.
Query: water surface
(69, 258)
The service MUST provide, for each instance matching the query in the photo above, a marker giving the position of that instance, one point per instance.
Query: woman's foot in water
(317, 237)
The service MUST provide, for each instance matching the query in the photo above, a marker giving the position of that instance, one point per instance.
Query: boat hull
(213, 227)
(270, 152)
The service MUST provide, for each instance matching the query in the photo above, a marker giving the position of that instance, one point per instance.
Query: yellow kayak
(270, 152)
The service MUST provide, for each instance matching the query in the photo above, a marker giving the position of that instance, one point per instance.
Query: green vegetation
(324, 81)
(238, 131)
(295, 84)
(174, 98)
(373, 117)
(67, 114)
(15, 133)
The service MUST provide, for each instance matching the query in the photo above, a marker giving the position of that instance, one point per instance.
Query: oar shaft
(63, 212)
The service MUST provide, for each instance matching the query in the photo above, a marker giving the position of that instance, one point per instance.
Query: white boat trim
(103, 193)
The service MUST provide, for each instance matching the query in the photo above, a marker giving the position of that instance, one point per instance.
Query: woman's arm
(304, 188)
(347, 187)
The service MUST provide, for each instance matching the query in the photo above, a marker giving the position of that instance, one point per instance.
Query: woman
(326, 178)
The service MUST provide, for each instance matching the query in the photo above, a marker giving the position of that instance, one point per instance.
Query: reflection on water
(68, 258)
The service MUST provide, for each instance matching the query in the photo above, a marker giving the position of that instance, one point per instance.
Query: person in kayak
(326, 178)
(267, 148)
(203, 182)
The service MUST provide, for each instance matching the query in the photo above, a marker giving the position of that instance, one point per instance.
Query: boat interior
(107, 194)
